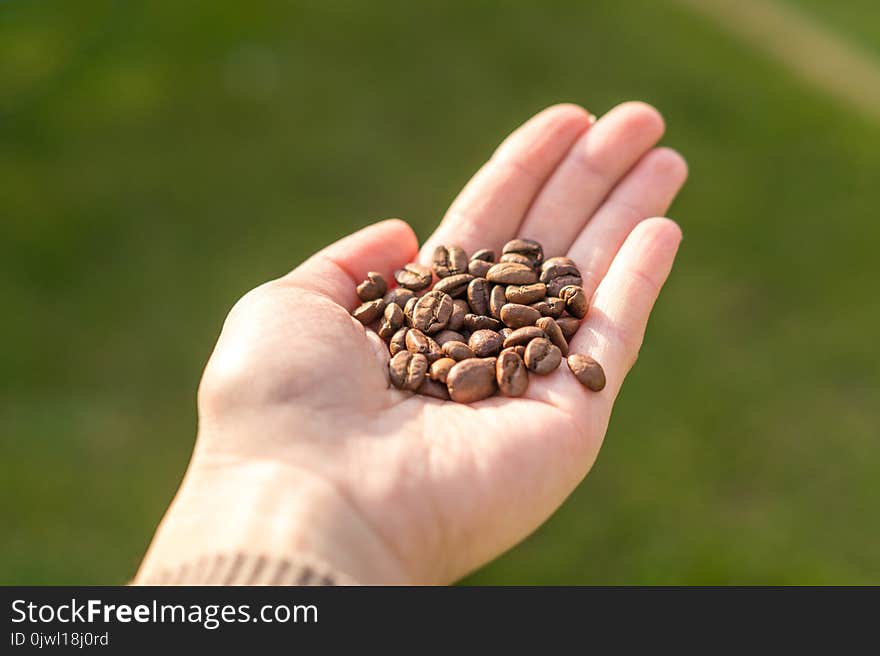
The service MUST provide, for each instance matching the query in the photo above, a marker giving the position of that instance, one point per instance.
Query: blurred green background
(157, 160)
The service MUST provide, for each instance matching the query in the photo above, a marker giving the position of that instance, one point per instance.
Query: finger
(648, 190)
(337, 270)
(590, 170)
(614, 327)
(489, 209)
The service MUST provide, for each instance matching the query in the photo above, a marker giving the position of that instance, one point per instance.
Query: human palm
(299, 388)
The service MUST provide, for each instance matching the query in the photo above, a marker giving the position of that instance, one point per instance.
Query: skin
(310, 452)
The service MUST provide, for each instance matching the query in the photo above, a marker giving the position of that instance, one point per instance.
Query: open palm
(438, 488)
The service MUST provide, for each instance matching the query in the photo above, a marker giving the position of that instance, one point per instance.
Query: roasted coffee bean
(448, 336)
(456, 286)
(511, 374)
(554, 333)
(505, 332)
(440, 368)
(449, 261)
(370, 311)
(551, 306)
(511, 273)
(419, 342)
(472, 380)
(479, 268)
(516, 258)
(520, 350)
(457, 350)
(517, 316)
(373, 287)
(414, 276)
(527, 247)
(474, 322)
(557, 272)
(434, 389)
(525, 294)
(568, 326)
(555, 286)
(587, 371)
(497, 300)
(407, 370)
(524, 335)
(431, 312)
(398, 341)
(542, 356)
(392, 321)
(485, 343)
(484, 255)
(576, 301)
(460, 308)
(408, 310)
(478, 293)
(399, 296)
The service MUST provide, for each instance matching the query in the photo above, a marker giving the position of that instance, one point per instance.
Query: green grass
(159, 159)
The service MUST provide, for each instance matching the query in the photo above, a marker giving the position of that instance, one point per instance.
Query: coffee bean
(448, 336)
(474, 322)
(373, 287)
(457, 351)
(449, 261)
(557, 272)
(419, 342)
(554, 333)
(407, 370)
(524, 335)
(370, 311)
(392, 321)
(455, 286)
(555, 286)
(414, 276)
(485, 343)
(497, 299)
(525, 294)
(511, 273)
(505, 332)
(484, 255)
(587, 371)
(472, 380)
(542, 356)
(511, 374)
(440, 368)
(551, 306)
(460, 308)
(516, 258)
(434, 389)
(398, 341)
(519, 349)
(527, 247)
(408, 310)
(399, 296)
(431, 312)
(568, 326)
(479, 268)
(478, 293)
(576, 301)
(517, 316)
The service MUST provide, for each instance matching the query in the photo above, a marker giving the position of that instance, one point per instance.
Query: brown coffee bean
(497, 299)
(449, 261)
(448, 336)
(526, 247)
(479, 268)
(440, 368)
(399, 296)
(485, 343)
(484, 255)
(554, 287)
(407, 370)
(433, 389)
(431, 312)
(392, 321)
(474, 322)
(568, 326)
(398, 341)
(457, 351)
(373, 287)
(517, 316)
(478, 292)
(511, 273)
(408, 310)
(419, 342)
(525, 294)
(551, 306)
(472, 380)
(576, 301)
(587, 371)
(370, 311)
(555, 267)
(460, 308)
(519, 349)
(524, 335)
(505, 332)
(554, 333)
(516, 258)
(414, 276)
(511, 374)
(456, 286)
(542, 356)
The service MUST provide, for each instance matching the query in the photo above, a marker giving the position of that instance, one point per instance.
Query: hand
(304, 447)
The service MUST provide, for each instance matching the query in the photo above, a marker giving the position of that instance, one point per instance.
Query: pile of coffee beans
(484, 325)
